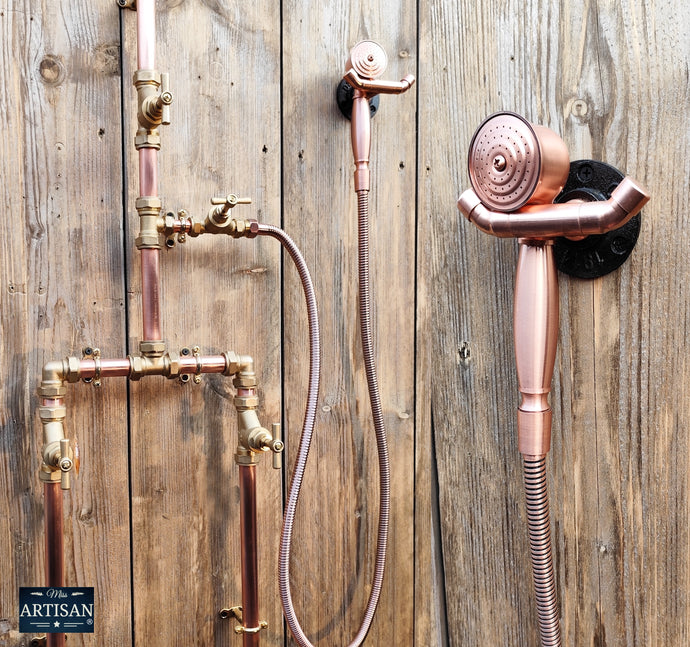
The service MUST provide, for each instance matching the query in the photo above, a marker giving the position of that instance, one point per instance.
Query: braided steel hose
(540, 549)
(309, 419)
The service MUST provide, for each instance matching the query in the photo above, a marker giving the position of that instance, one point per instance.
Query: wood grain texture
(336, 520)
(618, 466)
(221, 294)
(62, 177)
(152, 519)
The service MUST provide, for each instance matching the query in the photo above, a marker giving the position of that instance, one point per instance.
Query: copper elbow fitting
(573, 219)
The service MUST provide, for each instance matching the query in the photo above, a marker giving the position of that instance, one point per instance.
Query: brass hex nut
(136, 367)
(152, 348)
(232, 363)
(52, 413)
(52, 390)
(173, 365)
(243, 402)
(244, 380)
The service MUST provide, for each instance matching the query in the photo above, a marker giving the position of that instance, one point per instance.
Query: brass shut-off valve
(218, 220)
(154, 99)
(253, 439)
(58, 458)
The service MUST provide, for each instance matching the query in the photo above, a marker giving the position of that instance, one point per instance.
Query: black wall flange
(599, 254)
(345, 94)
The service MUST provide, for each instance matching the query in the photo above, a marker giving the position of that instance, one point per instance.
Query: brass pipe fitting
(149, 210)
(58, 458)
(154, 99)
(218, 221)
(253, 439)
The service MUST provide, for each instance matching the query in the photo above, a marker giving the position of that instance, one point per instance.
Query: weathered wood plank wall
(612, 78)
(152, 518)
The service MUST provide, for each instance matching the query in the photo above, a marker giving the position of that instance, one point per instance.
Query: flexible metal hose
(540, 548)
(308, 426)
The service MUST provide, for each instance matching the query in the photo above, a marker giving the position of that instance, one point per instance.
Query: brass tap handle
(65, 463)
(277, 451)
(166, 98)
(227, 203)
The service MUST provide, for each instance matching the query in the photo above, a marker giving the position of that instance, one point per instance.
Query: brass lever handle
(277, 447)
(166, 98)
(65, 464)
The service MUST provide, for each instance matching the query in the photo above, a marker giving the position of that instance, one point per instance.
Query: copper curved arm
(572, 219)
(372, 87)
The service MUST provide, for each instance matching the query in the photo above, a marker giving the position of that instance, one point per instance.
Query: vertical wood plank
(224, 62)
(62, 289)
(336, 521)
(617, 403)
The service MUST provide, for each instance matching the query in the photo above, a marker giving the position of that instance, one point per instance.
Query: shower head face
(368, 59)
(513, 163)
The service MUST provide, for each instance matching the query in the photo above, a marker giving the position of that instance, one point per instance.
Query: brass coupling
(149, 210)
(154, 99)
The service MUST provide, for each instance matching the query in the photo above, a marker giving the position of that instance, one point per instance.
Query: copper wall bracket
(598, 254)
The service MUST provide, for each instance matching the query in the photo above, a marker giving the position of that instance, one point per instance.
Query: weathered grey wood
(611, 78)
(619, 506)
(62, 289)
(336, 524)
(218, 293)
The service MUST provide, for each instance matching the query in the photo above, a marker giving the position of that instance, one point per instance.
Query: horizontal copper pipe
(122, 367)
(549, 221)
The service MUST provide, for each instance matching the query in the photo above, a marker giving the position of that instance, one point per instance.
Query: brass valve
(218, 220)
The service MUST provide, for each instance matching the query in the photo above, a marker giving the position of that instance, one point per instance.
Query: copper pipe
(148, 171)
(249, 556)
(150, 294)
(148, 180)
(572, 219)
(146, 34)
(54, 546)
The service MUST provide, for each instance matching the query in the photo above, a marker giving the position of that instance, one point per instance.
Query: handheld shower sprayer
(367, 61)
(517, 170)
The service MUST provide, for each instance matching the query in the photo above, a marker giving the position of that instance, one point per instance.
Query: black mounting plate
(599, 254)
(345, 94)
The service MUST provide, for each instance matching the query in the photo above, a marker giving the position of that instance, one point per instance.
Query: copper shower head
(513, 163)
(368, 59)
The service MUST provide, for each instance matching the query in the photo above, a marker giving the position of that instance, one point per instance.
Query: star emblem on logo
(57, 624)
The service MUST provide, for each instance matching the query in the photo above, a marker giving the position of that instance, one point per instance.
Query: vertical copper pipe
(249, 556)
(150, 294)
(54, 546)
(146, 34)
(148, 180)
